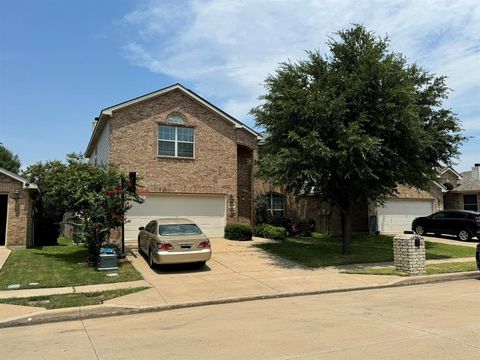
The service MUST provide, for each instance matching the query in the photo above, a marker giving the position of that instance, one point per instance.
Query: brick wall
(435, 193)
(453, 201)
(133, 147)
(305, 208)
(449, 178)
(18, 212)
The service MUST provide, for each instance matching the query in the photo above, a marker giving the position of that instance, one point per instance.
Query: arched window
(275, 204)
(176, 119)
(176, 139)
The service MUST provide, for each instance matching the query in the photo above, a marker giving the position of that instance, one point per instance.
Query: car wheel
(420, 230)
(151, 263)
(464, 235)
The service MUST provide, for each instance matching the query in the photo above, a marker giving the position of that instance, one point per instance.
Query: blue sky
(62, 61)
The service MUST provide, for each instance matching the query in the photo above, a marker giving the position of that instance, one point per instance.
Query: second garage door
(397, 215)
(207, 211)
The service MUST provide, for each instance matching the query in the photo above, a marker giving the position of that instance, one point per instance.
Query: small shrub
(271, 232)
(305, 228)
(279, 221)
(238, 232)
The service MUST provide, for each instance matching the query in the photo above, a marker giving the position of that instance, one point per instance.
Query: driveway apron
(237, 269)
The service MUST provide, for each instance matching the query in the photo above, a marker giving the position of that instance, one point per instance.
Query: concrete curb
(99, 311)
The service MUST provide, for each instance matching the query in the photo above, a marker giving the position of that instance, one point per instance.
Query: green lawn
(319, 250)
(56, 266)
(432, 269)
(70, 300)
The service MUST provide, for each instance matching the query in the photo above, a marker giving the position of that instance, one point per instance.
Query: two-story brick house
(194, 160)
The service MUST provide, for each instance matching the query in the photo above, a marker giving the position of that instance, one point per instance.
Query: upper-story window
(176, 141)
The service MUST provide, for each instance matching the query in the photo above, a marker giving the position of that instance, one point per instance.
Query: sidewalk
(238, 271)
(4, 254)
(71, 289)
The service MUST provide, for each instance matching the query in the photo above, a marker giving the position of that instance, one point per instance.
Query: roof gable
(108, 112)
(25, 182)
(444, 170)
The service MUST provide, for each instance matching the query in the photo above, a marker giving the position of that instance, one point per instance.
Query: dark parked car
(463, 223)
(478, 256)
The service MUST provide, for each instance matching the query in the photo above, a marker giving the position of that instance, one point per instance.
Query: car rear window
(179, 229)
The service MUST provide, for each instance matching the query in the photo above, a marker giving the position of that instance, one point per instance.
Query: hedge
(271, 232)
(238, 232)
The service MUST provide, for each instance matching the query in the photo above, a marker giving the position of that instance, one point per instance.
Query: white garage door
(397, 215)
(207, 211)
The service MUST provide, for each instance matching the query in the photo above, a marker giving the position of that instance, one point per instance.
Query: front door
(3, 218)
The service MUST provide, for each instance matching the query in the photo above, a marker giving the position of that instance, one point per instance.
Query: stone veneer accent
(409, 258)
(18, 213)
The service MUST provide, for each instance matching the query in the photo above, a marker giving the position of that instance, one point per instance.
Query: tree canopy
(8, 160)
(352, 125)
(99, 196)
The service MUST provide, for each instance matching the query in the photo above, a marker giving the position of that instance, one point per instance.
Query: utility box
(409, 254)
(107, 260)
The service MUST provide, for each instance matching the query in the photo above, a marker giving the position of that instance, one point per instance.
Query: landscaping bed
(58, 266)
(70, 300)
(319, 250)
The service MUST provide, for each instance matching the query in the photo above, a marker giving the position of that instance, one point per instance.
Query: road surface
(437, 321)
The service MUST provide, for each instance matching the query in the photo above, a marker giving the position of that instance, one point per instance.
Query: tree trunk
(347, 219)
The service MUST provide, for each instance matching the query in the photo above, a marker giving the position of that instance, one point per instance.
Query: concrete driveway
(451, 240)
(237, 269)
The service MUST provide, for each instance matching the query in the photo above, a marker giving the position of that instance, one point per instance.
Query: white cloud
(226, 48)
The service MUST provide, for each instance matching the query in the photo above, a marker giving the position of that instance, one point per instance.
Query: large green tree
(8, 160)
(352, 125)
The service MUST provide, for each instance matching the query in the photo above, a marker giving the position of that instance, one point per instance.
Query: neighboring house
(194, 160)
(463, 190)
(16, 217)
(452, 191)
(396, 214)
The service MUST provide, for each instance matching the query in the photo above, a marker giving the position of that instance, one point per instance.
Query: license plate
(185, 246)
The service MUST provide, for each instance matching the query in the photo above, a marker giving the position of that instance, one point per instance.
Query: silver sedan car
(173, 241)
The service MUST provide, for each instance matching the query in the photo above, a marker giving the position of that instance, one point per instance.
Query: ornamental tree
(350, 126)
(98, 196)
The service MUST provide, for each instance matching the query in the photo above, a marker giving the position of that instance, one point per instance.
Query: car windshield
(179, 229)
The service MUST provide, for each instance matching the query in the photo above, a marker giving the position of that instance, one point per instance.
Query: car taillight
(204, 245)
(477, 220)
(165, 246)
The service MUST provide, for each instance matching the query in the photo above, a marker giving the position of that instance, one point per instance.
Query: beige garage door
(397, 215)
(207, 211)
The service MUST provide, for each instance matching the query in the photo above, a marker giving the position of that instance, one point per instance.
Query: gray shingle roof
(467, 183)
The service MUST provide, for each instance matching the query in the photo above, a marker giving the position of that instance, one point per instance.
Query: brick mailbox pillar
(409, 254)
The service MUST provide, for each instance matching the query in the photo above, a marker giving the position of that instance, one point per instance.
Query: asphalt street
(436, 321)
